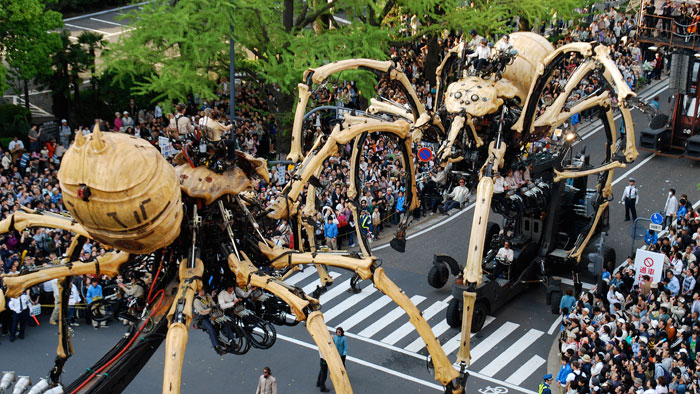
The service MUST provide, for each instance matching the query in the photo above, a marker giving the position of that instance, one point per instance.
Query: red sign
(425, 154)
(648, 261)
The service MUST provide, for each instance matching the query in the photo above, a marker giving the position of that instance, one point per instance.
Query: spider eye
(458, 95)
(475, 97)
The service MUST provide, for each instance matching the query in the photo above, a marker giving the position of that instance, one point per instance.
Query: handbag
(35, 310)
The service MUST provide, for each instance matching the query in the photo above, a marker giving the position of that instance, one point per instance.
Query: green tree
(26, 40)
(187, 40)
(93, 41)
(67, 62)
(275, 43)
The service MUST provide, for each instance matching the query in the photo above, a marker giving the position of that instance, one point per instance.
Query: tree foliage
(25, 39)
(187, 41)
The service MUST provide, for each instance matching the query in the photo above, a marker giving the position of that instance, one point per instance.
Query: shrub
(14, 121)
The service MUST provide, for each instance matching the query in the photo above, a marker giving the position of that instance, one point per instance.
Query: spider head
(474, 96)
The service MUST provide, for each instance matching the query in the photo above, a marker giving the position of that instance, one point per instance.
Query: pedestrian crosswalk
(503, 350)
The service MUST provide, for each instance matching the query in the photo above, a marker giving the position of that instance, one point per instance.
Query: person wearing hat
(64, 133)
(630, 197)
(127, 121)
(544, 386)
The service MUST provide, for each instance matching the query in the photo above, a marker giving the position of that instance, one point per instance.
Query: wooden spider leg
(247, 274)
(614, 77)
(445, 150)
(318, 330)
(353, 194)
(444, 371)
(295, 154)
(365, 268)
(472, 273)
(319, 75)
(108, 264)
(26, 217)
(65, 345)
(309, 213)
(180, 317)
(284, 204)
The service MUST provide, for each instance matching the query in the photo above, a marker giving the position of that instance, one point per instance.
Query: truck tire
(454, 314)
(438, 275)
(479, 316)
(491, 230)
(556, 299)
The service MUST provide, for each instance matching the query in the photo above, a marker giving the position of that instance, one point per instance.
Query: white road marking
(512, 352)
(348, 303)
(335, 290)
(355, 319)
(367, 364)
(492, 340)
(408, 328)
(388, 318)
(525, 370)
(438, 330)
(434, 226)
(107, 22)
(87, 28)
(453, 343)
(633, 169)
(422, 358)
(554, 326)
(300, 275)
(308, 289)
(126, 7)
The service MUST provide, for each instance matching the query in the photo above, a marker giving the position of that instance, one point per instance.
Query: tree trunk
(76, 95)
(432, 60)
(288, 15)
(93, 72)
(26, 93)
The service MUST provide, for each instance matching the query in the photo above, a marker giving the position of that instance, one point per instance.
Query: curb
(553, 361)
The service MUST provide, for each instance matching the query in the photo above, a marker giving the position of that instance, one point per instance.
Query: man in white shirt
(482, 53)
(670, 208)
(227, 298)
(504, 44)
(630, 197)
(498, 183)
(504, 258)
(20, 315)
(458, 196)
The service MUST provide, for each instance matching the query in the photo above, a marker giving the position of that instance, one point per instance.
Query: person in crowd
(630, 197)
(330, 231)
(341, 343)
(267, 384)
(20, 315)
(670, 208)
(202, 307)
(322, 374)
(456, 198)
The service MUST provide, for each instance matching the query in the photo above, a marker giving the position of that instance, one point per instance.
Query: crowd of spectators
(633, 334)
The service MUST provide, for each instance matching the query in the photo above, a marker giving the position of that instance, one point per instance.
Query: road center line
(87, 28)
(107, 22)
